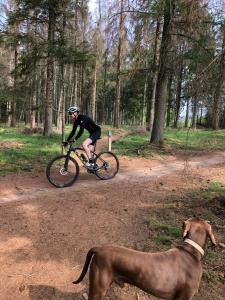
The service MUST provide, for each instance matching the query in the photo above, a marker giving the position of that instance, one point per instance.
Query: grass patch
(196, 139)
(163, 239)
(164, 233)
(214, 190)
(211, 254)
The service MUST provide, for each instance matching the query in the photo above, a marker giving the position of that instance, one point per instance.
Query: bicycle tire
(59, 177)
(107, 165)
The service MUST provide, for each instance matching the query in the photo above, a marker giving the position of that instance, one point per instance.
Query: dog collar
(195, 245)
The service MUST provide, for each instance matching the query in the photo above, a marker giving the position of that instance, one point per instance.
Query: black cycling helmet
(73, 109)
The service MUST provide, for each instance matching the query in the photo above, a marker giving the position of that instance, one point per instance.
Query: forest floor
(45, 232)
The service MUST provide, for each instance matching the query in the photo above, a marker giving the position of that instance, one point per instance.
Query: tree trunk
(75, 85)
(13, 104)
(143, 114)
(33, 96)
(154, 79)
(201, 113)
(118, 68)
(170, 100)
(187, 114)
(61, 102)
(94, 76)
(162, 82)
(75, 68)
(50, 74)
(178, 95)
(61, 98)
(194, 114)
(33, 101)
(41, 101)
(93, 94)
(219, 86)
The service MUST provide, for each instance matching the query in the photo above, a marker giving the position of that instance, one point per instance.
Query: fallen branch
(26, 275)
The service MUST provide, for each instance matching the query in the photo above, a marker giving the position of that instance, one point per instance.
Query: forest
(156, 63)
(151, 73)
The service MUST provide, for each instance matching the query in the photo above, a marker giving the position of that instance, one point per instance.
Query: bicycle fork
(65, 167)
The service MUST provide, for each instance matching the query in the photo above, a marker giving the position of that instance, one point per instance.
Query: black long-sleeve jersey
(85, 123)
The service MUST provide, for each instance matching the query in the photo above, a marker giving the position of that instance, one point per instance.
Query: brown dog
(174, 274)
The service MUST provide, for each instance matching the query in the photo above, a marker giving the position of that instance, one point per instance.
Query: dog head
(198, 230)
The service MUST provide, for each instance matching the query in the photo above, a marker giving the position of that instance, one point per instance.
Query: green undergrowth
(164, 231)
(214, 190)
(26, 152)
(138, 144)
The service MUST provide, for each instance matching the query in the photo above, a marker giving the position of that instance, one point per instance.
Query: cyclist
(84, 122)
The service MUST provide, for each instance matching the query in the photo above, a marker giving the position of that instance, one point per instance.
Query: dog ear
(186, 228)
(211, 235)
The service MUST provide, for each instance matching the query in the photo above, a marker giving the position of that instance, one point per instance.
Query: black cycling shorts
(95, 136)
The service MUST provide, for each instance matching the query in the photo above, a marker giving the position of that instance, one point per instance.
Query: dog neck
(195, 245)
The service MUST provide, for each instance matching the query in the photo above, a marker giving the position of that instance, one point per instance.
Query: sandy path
(45, 232)
(20, 187)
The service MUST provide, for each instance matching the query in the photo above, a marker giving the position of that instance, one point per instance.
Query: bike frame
(75, 151)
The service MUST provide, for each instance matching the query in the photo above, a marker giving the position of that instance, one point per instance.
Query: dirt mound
(10, 145)
(33, 130)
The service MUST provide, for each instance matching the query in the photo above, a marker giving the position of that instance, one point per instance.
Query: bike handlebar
(66, 143)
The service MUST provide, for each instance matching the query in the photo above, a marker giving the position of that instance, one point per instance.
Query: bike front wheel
(107, 165)
(62, 171)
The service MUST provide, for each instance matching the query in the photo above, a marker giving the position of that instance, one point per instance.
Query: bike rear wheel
(62, 171)
(107, 165)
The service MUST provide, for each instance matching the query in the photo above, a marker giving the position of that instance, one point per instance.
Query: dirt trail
(19, 187)
(45, 232)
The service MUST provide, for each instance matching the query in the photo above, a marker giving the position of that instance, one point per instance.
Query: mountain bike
(63, 170)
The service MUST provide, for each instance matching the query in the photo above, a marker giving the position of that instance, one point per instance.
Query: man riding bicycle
(87, 123)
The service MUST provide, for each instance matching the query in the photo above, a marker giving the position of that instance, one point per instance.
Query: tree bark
(162, 82)
(74, 99)
(187, 114)
(154, 79)
(103, 115)
(33, 101)
(93, 94)
(143, 106)
(50, 74)
(13, 104)
(219, 86)
(194, 114)
(178, 95)
(118, 69)
(61, 102)
(170, 100)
